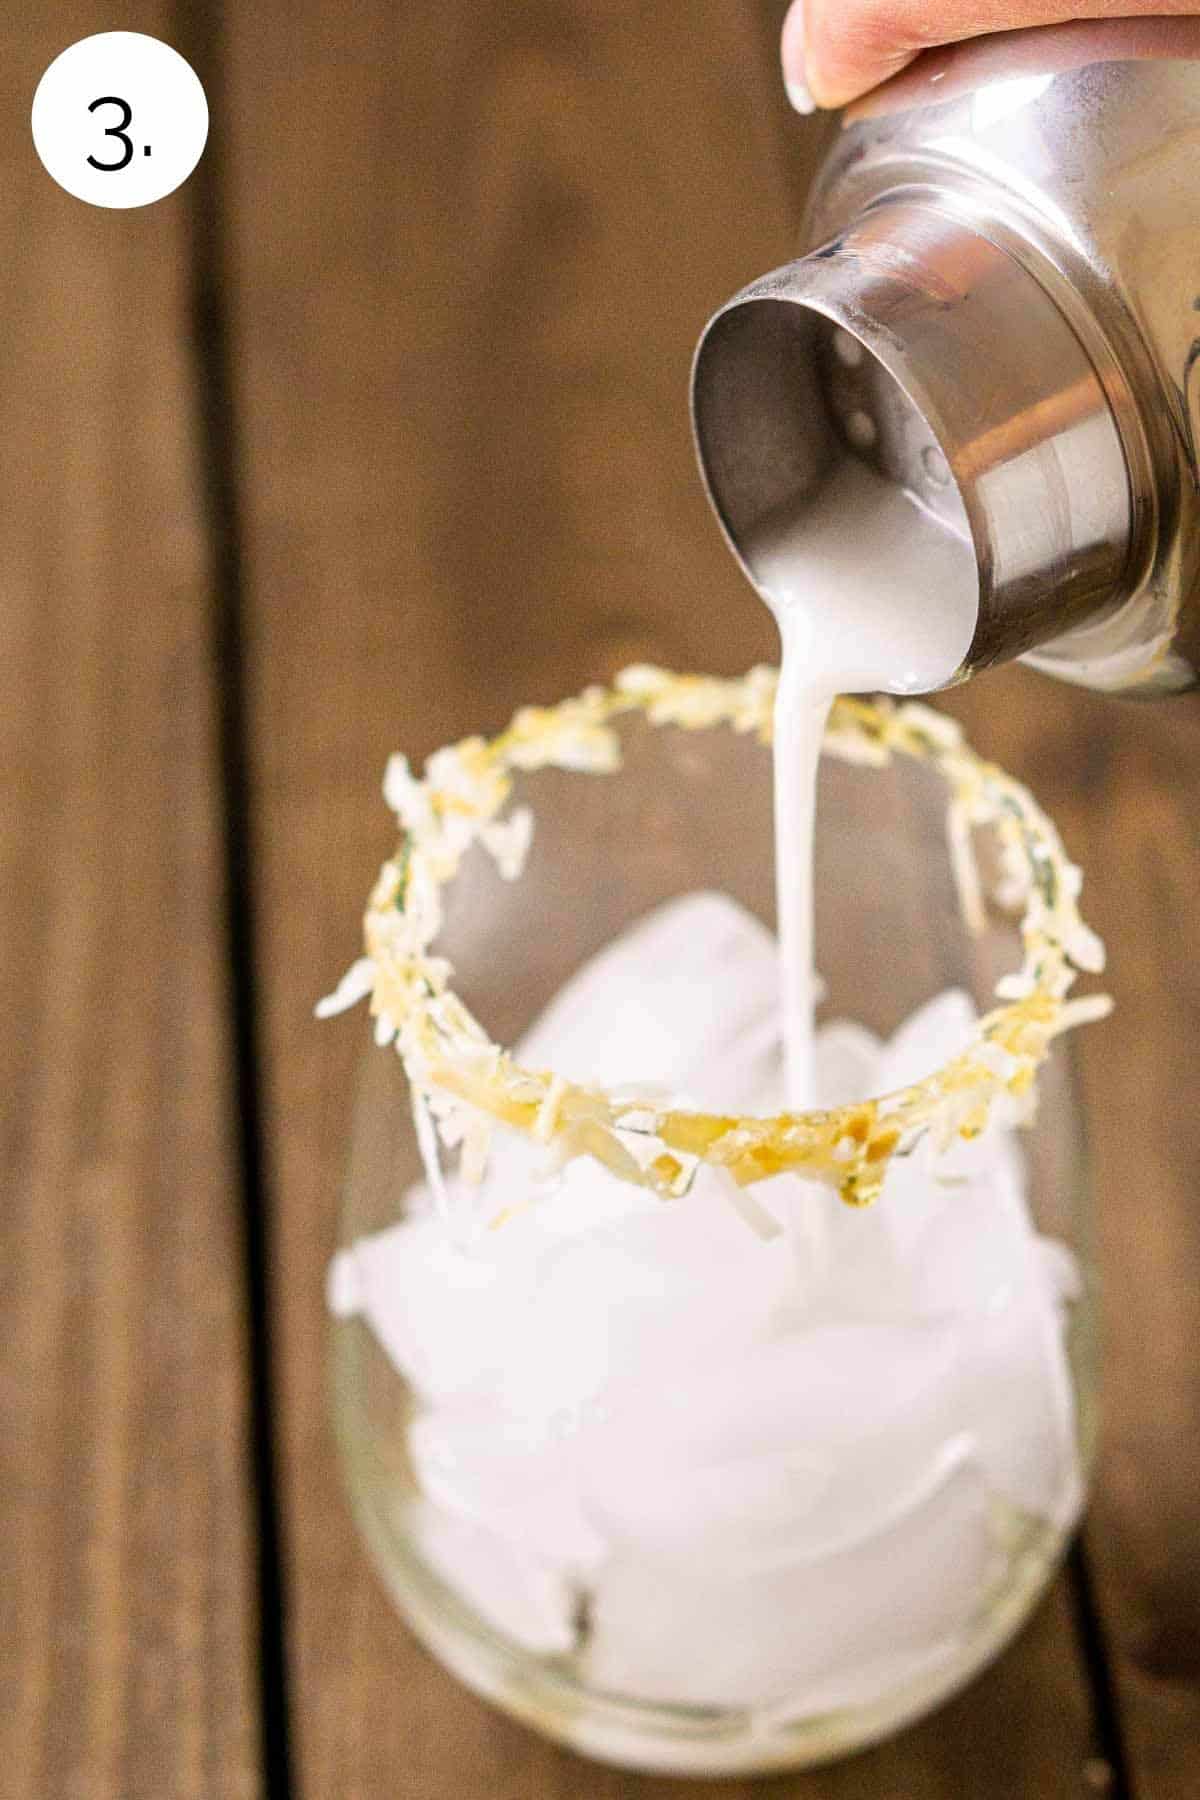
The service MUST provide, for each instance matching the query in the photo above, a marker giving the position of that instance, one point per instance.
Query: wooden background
(373, 430)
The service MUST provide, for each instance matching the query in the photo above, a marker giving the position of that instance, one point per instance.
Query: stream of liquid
(869, 594)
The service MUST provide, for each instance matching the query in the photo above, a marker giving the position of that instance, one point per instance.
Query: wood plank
(1120, 777)
(473, 250)
(127, 1648)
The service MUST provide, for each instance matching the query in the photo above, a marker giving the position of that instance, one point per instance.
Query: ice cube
(879, 1259)
(951, 1229)
(867, 1277)
(978, 1262)
(840, 1627)
(567, 1297)
(961, 1225)
(688, 997)
(524, 1597)
(859, 1410)
(661, 1294)
(848, 1059)
(914, 1193)
(507, 1476)
(1060, 1268)
(937, 1031)
(442, 1314)
(1016, 1399)
(344, 1294)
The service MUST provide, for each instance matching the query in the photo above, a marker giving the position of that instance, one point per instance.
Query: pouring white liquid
(840, 581)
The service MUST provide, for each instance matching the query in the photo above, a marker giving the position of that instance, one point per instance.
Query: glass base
(543, 1693)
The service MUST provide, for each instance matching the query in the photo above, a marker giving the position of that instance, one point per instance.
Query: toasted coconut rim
(468, 1084)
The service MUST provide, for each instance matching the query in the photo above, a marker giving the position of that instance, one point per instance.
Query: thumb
(833, 53)
(836, 50)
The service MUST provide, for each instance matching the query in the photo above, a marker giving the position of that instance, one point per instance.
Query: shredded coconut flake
(469, 1083)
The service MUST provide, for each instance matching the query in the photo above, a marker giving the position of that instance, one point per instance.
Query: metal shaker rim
(972, 391)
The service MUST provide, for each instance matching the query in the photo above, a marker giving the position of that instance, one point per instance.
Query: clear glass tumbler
(722, 1544)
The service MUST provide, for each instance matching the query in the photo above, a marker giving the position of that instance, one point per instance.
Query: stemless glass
(693, 811)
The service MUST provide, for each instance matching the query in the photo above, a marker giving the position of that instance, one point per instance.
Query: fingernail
(798, 90)
(798, 94)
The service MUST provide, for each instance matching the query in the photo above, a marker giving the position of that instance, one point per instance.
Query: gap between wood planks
(200, 38)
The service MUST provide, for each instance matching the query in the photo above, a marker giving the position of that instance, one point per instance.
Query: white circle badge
(120, 119)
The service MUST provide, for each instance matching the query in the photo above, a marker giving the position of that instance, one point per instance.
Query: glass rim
(463, 1084)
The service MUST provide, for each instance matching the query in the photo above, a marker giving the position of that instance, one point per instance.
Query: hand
(835, 50)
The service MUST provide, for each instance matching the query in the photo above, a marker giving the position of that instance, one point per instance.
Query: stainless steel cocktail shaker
(1002, 316)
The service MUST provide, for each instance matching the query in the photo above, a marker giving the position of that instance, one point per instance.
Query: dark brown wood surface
(458, 257)
(125, 1555)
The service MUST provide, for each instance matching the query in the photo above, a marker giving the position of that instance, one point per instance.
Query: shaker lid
(913, 346)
